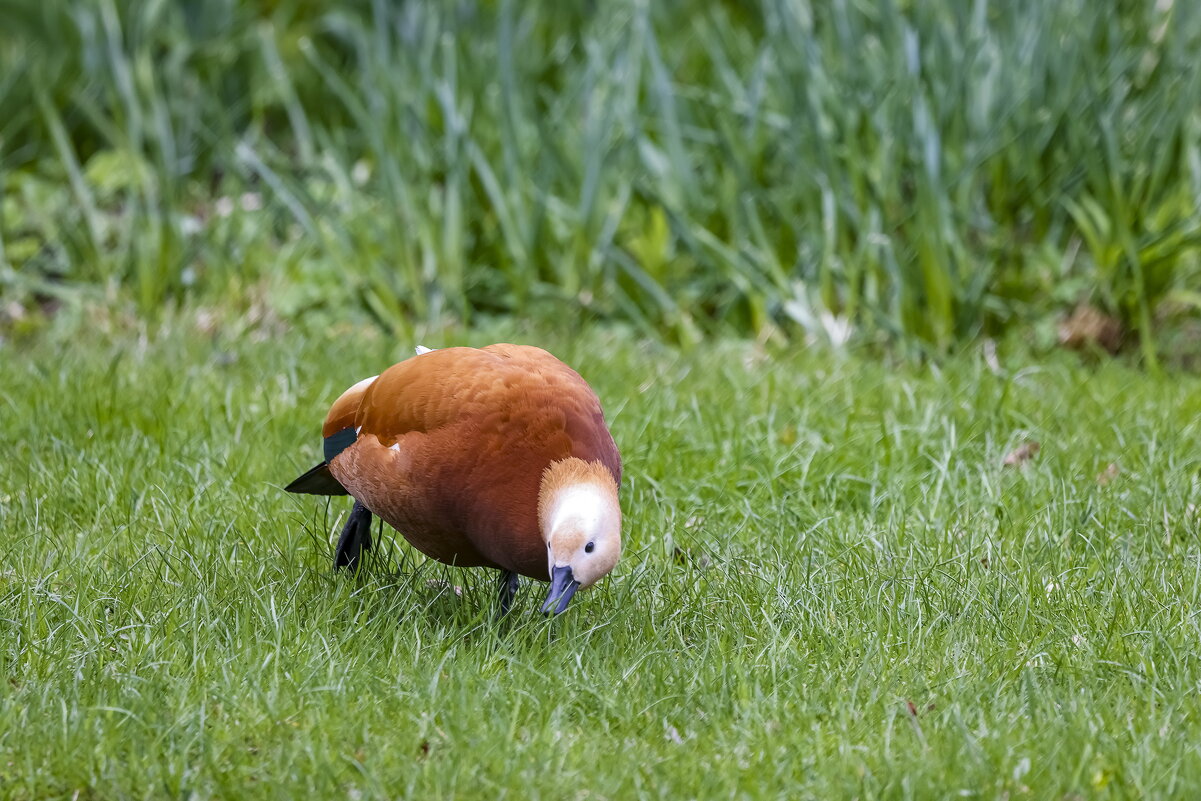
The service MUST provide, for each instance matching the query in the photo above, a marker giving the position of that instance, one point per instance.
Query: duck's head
(580, 520)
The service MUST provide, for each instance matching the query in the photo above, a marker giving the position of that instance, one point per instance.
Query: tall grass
(926, 171)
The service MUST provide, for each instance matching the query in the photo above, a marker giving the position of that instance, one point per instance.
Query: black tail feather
(318, 481)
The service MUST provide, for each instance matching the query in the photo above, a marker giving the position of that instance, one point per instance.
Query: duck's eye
(590, 547)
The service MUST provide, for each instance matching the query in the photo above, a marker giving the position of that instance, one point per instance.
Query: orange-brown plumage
(455, 448)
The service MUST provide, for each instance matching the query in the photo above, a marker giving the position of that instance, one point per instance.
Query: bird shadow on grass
(395, 585)
(394, 582)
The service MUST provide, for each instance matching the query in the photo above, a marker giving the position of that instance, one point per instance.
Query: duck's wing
(513, 391)
(423, 393)
(506, 390)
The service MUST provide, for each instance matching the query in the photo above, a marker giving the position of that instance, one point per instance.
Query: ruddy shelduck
(494, 457)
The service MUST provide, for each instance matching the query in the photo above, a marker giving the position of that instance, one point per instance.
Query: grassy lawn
(832, 587)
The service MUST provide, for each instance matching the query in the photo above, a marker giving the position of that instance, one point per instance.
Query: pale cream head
(580, 519)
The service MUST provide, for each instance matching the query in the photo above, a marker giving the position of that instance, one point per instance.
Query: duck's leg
(508, 589)
(356, 538)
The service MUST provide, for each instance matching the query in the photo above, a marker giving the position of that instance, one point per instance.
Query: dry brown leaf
(1088, 327)
(1021, 454)
(1108, 474)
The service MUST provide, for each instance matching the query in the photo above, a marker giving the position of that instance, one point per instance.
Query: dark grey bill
(562, 586)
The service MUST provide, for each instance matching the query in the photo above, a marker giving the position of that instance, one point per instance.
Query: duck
(494, 457)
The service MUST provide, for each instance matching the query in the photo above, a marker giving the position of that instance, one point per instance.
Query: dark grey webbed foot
(508, 590)
(356, 538)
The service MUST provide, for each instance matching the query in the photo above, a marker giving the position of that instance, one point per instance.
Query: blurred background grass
(919, 173)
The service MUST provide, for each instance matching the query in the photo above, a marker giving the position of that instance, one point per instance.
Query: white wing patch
(422, 349)
(401, 460)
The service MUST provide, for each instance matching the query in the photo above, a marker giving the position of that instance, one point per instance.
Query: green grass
(214, 216)
(917, 171)
(815, 541)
